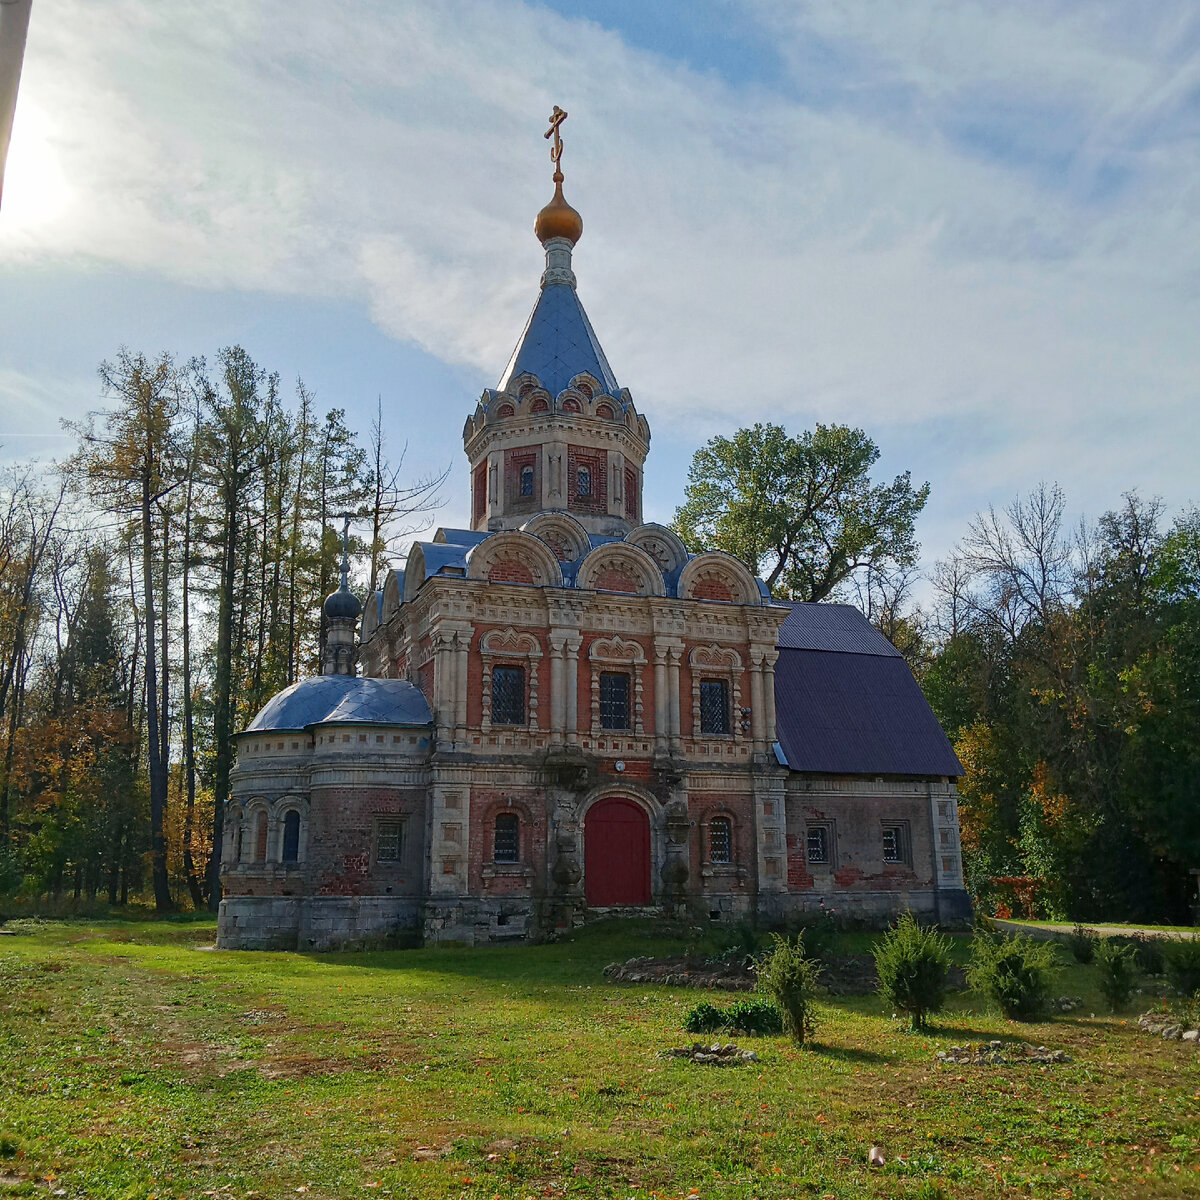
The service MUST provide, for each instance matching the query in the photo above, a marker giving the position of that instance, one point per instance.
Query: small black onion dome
(342, 605)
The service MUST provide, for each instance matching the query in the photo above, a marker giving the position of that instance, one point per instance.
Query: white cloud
(982, 220)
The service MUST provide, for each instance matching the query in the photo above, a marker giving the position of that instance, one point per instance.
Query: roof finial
(558, 219)
(557, 117)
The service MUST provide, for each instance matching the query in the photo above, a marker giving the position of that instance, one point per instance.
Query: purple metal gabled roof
(856, 714)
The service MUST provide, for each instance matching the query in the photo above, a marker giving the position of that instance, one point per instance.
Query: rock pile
(728, 975)
(1168, 1027)
(989, 1053)
(716, 1055)
(1066, 1004)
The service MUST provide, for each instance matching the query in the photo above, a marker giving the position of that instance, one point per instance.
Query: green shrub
(1015, 973)
(739, 942)
(820, 933)
(704, 1018)
(1181, 957)
(789, 978)
(753, 1016)
(1118, 972)
(745, 1016)
(1082, 943)
(1148, 952)
(912, 964)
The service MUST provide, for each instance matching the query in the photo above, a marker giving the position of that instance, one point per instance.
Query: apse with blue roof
(558, 432)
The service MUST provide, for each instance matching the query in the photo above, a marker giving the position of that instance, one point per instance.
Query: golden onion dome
(558, 219)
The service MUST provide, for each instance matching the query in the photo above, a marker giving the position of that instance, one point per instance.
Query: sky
(971, 229)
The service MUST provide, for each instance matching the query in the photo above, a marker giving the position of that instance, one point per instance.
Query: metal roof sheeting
(344, 699)
(856, 714)
(559, 343)
(839, 628)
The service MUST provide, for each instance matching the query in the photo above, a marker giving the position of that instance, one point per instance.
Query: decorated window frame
(510, 648)
(616, 656)
(717, 664)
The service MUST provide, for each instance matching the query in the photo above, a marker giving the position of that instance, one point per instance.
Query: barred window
(583, 481)
(508, 695)
(720, 840)
(714, 706)
(291, 837)
(817, 843)
(526, 481)
(506, 842)
(389, 841)
(614, 701)
(895, 848)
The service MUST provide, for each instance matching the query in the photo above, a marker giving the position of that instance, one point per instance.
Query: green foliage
(1082, 944)
(802, 511)
(1118, 972)
(1147, 952)
(912, 963)
(1015, 973)
(740, 940)
(819, 933)
(789, 978)
(744, 1016)
(704, 1018)
(1181, 958)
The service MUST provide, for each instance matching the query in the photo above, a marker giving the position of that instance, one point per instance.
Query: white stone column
(443, 685)
(769, 733)
(757, 701)
(661, 703)
(558, 699)
(572, 651)
(675, 655)
(462, 641)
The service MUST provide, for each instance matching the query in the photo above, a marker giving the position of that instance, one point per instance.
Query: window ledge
(493, 870)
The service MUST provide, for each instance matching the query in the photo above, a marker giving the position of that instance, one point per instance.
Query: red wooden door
(616, 854)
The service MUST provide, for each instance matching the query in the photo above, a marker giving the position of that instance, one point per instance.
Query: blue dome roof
(342, 605)
(344, 700)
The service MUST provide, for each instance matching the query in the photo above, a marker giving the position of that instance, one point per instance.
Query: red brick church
(562, 712)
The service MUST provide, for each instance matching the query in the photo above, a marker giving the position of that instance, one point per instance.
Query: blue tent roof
(346, 700)
(558, 344)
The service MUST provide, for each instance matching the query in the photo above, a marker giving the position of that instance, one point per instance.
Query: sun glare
(35, 187)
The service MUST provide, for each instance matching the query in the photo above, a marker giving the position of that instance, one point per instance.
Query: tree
(131, 461)
(802, 512)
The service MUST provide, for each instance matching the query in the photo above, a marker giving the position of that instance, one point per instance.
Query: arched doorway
(616, 853)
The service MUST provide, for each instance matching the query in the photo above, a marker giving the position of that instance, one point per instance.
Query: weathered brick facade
(562, 710)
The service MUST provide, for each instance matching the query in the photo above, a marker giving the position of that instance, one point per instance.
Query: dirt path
(1055, 931)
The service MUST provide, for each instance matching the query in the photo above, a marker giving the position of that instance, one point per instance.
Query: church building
(563, 713)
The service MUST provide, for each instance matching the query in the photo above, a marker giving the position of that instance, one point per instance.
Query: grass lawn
(134, 1062)
(1192, 929)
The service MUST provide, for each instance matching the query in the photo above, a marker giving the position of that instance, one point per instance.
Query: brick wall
(509, 570)
(712, 589)
(632, 494)
(596, 462)
(615, 581)
(529, 804)
(515, 461)
(480, 491)
(739, 808)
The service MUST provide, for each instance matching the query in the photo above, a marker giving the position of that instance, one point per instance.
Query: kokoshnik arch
(563, 712)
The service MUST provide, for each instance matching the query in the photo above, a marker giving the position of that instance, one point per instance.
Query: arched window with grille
(720, 840)
(506, 838)
(526, 481)
(583, 481)
(291, 837)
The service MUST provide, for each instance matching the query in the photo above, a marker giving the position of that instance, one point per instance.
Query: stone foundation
(314, 922)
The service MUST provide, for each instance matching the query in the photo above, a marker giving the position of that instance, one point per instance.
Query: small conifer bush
(1181, 957)
(1118, 972)
(788, 977)
(1014, 972)
(912, 963)
(1082, 943)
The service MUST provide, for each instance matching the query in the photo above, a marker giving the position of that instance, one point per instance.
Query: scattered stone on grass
(1167, 1027)
(681, 970)
(1001, 1054)
(717, 1054)
(1066, 1004)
